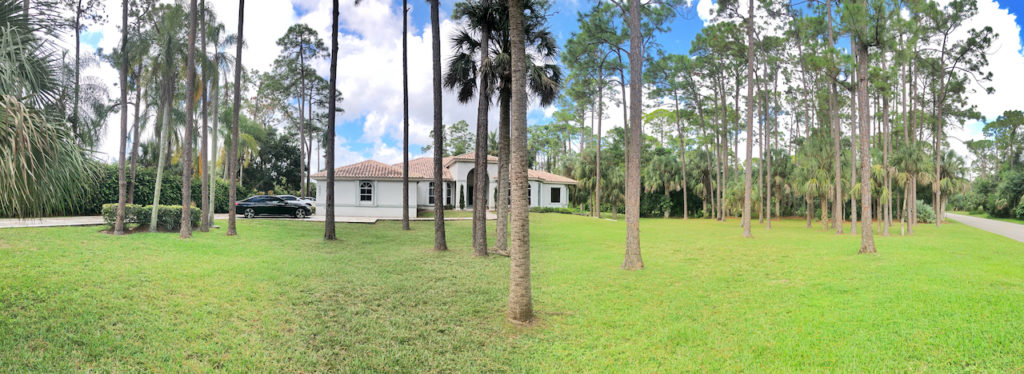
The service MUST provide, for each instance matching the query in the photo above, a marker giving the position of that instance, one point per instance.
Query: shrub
(168, 216)
(462, 198)
(925, 213)
(551, 210)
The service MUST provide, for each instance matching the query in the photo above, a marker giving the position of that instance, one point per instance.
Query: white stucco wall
(387, 199)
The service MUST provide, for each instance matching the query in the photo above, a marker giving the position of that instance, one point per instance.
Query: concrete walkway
(1010, 230)
(6, 223)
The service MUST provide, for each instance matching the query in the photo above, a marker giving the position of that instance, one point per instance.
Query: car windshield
(288, 197)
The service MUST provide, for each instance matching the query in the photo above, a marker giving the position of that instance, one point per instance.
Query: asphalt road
(1013, 231)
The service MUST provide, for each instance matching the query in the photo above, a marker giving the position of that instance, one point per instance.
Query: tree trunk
(135, 136)
(867, 236)
(332, 98)
(480, 167)
(502, 205)
(854, 161)
(633, 259)
(405, 115)
(520, 300)
(233, 154)
(304, 183)
(747, 165)
(600, 116)
(214, 152)
(810, 209)
(440, 243)
(204, 220)
(122, 184)
(78, 67)
(165, 132)
(682, 154)
(836, 132)
(186, 146)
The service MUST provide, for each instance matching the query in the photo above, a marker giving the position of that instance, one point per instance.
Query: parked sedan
(298, 200)
(271, 205)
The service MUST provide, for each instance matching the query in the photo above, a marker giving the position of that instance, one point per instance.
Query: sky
(370, 76)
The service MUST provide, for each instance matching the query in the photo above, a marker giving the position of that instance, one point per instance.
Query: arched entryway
(471, 186)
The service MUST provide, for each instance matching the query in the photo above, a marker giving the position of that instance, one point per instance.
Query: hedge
(168, 216)
(103, 190)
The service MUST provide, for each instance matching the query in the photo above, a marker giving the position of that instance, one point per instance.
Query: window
(365, 191)
(449, 193)
(556, 195)
(430, 193)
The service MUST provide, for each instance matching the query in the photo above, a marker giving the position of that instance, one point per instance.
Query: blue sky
(370, 75)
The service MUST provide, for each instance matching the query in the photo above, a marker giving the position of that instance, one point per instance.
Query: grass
(989, 216)
(429, 213)
(277, 298)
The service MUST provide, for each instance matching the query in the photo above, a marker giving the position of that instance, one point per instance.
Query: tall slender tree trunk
(886, 131)
(867, 241)
(405, 115)
(633, 259)
(214, 143)
(836, 132)
(682, 155)
(504, 137)
(332, 99)
(135, 135)
(854, 161)
(233, 154)
(204, 221)
(600, 116)
(309, 142)
(440, 243)
(520, 300)
(122, 184)
(186, 146)
(165, 131)
(747, 165)
(304, 184)
(480, 167)
(78, 67)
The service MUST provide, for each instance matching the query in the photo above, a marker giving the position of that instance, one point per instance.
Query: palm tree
(520, 300)
(543, 79)
(664, 172)
(221, 62)
(329, 229)
(747, 166)
(480, 162)
(233, 155)
(440, 244)
(122, 185)
(204, 161)
(164, 66)
(186, 144)
(405, 115)
(42, 175)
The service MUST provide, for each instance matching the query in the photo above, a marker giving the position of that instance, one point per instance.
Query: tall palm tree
(405, 115)
(186, 144)
(440, 244)
(164, 67)
(42, 175)
(543, 78)
(520, 299)
(122, 185)
(664, 172)
(204, 161)
(329, 229)
(747, 166)
(221, 63)
(233, 155)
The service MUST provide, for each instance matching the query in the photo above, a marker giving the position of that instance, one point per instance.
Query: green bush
(168, 216)
(925, 213)
(551, 210)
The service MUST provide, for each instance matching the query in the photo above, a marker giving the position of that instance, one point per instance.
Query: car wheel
(300, 213)
(250, 213)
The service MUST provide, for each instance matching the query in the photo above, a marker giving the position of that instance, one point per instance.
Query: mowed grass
(277, 298)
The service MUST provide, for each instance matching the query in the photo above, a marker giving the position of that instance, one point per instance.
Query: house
(374, 189)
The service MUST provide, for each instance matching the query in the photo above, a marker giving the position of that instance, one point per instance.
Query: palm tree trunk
(204, 221)
(165, 132)
(405, 115)
(633, 259)
(332, 98)
(122, 184)
(504, 137)
(480, 163)
(520, 300)
(135, 136)
(600, 115)
(440, 243)
(214, 153)
(833, 110)
(78, 67)
(233, 154)
(186, 143)
(682, 155)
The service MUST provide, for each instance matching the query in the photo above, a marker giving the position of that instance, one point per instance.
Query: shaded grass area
(279, 298)
(429, 213)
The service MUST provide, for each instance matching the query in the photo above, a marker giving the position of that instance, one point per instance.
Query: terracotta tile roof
(423, 168)
(365, 169)
(548, 177)
(471, 156)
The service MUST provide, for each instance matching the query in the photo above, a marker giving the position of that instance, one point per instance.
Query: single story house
(374, 189)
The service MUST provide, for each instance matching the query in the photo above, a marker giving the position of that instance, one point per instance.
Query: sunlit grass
(278, 298)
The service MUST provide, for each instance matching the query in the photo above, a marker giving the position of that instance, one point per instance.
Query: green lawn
(277, 298)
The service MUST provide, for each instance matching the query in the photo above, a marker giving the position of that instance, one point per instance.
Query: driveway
(1010, 230)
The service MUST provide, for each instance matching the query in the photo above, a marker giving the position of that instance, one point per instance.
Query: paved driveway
(1010, 230)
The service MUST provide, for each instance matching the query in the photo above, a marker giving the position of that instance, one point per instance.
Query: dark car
(271, 205)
